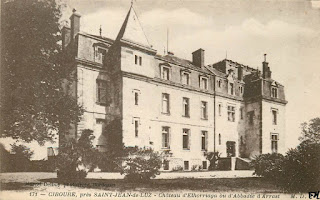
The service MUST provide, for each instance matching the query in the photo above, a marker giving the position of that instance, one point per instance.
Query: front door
(231, 149)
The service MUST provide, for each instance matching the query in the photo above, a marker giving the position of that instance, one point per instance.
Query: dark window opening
(136, 128)
(166, 165)
(204, 164)
(186, 165)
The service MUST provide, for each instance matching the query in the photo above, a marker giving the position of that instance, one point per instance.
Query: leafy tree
(77, 157)
(301, 168)
(213, 158)
(34, 103)
(311, 130)
(110, 158)
(21, 151)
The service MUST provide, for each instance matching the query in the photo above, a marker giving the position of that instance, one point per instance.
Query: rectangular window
(165, 73)
(204, 164)
(136, 127)
(185, 79)
(204, 110)
(186, 107)
(101, 91)
(251, 117)
(186, 165)
(219, 109)
(231, 113)
(136, 59)
(274, 92)
(136, 98)
(274, 143)
(140, 60)
(274, 117)
(185, 139)
(231, 85)
(165, 137)
(166, 165)
(204, 83)
(204, 135)
(165, 103)
(241, 113)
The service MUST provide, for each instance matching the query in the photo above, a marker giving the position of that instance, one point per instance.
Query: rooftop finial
(100, 30)
(74, 10)
(265, 57)
(131, 2)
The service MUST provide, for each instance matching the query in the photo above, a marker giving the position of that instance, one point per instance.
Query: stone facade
(171, 104)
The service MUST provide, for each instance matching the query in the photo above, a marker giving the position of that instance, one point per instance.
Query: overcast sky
(288, 31)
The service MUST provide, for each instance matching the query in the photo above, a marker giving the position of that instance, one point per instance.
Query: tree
(311, 130)
(77, 157)
(21, 151)
(111, 157)
(213, 158)
(34, 104)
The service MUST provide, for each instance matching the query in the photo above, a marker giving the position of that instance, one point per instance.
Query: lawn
(254, 184)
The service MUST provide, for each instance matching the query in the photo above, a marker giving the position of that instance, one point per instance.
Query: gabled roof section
(131, 30)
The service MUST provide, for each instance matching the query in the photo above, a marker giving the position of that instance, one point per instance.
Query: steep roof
(131, 30)
(182, 62)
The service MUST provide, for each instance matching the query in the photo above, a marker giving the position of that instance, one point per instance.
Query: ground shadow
(15, 186)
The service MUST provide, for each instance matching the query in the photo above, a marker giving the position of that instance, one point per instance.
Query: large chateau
(171, 104)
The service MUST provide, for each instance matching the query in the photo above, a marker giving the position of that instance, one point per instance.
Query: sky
(287, 31)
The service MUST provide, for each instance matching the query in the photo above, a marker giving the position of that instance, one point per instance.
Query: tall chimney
(75, 23)
(65, 36)
(198, 58)
(266, 72)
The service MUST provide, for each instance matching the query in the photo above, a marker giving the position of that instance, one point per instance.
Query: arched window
(219, 83)
(219, 139)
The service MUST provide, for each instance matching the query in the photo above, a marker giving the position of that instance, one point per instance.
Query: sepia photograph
(160, 99)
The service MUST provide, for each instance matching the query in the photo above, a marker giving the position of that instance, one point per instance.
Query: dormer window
(274, 92)
(185, 78)
(100, 54)
(219, 83)
(204, 83)
(241, 89)
(165, 72)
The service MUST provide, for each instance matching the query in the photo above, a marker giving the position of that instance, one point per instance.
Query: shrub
(268, 165)
(177, 168)
(141, 165)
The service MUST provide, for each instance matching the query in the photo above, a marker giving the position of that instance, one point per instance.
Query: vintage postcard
(160, 99)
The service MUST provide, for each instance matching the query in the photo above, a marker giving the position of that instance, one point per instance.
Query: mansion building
(171, 104)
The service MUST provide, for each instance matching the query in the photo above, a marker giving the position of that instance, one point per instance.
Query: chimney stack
(198, 58)
(75, 23)
(266, 72)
